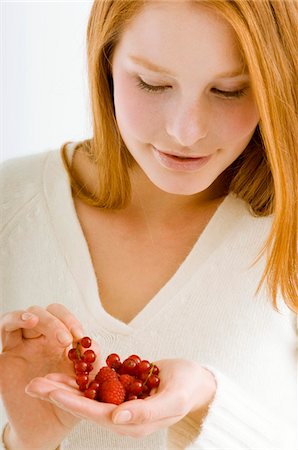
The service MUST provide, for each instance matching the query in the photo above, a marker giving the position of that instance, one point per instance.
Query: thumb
(152, 409)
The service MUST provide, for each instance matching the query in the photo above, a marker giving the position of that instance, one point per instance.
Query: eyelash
(226, 94)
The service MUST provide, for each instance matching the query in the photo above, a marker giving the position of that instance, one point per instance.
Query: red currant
(90, 393)
(113, 361)
(153, 381)
(136, 387)
(144, 366)
(129, 366)
(80, 366)
(89, 356)
(136, 358)
(82, 379)
(73, 355)
(85, 342)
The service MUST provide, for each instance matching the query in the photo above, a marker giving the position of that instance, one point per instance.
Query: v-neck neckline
(75, 249)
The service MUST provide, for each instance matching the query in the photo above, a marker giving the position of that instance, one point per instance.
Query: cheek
(237, 123)
(136, 114)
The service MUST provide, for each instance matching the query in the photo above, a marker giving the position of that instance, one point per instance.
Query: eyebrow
(153, 67)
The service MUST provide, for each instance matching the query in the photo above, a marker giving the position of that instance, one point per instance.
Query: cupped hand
(34, 343)
(185, 388)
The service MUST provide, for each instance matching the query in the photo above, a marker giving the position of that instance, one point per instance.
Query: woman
(174, 237)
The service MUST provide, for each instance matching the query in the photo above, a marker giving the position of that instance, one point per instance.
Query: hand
(185, 387)
(34, 343)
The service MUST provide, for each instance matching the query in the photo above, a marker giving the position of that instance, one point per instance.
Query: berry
(131, 397)
(143, 376)
(153, 381)
(89, 367)
(80, 366)
(82, 379)
(144, 367)
(129, 366)
(112, 392)
(106, 374)
(155, 370)
(85, 342)
(73, 354)
(113, 361)
(126, 380)
(94, 385)
(89, 356)
(136, 387)
(136, 358)
(116, 382)
(90, 393)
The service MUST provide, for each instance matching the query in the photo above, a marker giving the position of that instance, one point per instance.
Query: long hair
(265, 175)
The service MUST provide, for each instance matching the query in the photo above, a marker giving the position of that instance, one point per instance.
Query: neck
(148, 201)
(162, 207)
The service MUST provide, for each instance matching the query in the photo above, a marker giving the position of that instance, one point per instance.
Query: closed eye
(230, 94)
(148, 87)
(218, 92)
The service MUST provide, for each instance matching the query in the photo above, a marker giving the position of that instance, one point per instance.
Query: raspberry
(126, 380)
(111, 392)
(106, 374)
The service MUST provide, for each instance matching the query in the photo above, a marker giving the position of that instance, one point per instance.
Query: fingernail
(77, 333)
(32, 394)
(56, 403)
(27, 316)
(122, 417)
(63, 337)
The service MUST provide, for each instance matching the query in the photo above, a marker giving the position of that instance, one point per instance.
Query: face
(188, 119)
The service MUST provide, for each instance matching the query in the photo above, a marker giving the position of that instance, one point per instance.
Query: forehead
(184, 29)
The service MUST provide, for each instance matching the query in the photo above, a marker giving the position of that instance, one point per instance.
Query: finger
(42, 387)
(16, 320)
(12, 324)
(69, 320)
(50, 326)
(154, 408)
(82, 406)
(62, 378)
(76, 328)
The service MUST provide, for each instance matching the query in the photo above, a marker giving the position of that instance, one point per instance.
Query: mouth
(186, 158)
(178, 156)
(179, 162)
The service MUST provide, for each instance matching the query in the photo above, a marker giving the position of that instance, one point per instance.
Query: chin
(179, 188)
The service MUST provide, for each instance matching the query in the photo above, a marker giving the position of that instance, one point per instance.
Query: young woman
(172, 233)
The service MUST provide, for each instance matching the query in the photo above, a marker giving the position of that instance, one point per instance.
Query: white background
(44, 87)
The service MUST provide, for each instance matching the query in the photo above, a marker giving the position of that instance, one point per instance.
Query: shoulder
(248, 231)
(17, 171)
(21, 181)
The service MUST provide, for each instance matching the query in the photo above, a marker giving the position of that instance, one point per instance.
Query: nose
(188, 123)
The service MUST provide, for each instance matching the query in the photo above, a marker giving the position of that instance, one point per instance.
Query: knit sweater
(207, 311)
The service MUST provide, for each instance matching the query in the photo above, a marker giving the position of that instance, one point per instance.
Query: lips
(180, 163)
(180, 155)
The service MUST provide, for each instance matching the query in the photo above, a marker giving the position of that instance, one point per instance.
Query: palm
(28, 359)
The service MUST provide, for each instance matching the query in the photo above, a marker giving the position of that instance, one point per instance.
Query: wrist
(206, 389)
(11, 442)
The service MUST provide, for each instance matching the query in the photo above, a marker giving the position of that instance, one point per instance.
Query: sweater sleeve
(235, 421)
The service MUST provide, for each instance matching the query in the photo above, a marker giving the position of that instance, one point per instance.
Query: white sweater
(206, 312)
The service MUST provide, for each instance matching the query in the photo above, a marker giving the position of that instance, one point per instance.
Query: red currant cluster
(116, 382)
